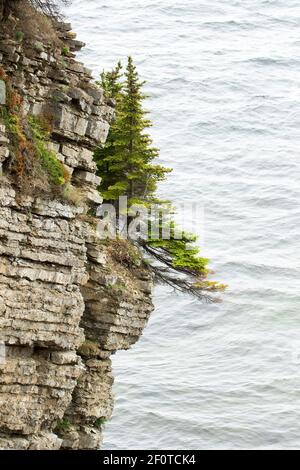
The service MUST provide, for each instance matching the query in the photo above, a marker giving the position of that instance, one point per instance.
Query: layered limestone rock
(117, 307)
(68, 300)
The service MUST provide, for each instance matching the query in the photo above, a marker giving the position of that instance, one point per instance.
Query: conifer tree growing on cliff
(125, 164)
(126, 160)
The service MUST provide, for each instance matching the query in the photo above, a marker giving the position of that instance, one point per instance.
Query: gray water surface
(224, 80)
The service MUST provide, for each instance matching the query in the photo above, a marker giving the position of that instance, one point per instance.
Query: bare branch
(49, 7)
(166, 274)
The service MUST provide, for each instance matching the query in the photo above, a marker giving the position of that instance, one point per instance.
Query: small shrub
(65, 50)
(63, 425)
(19, 36)
(99, 423)
(57, 172)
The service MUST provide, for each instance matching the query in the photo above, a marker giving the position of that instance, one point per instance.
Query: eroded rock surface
(68, 301)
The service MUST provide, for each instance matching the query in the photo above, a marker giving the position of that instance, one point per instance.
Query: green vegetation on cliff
(125, 162)
(33, 166)
(126, 165)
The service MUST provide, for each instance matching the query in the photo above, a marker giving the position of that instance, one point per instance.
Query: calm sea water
(224, 80)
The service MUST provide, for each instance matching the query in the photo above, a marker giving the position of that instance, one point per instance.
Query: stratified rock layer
(67, 300)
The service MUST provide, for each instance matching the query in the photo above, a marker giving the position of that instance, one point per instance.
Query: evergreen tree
(107, 156)
(176, 259)
(125, 164)
(111, 82)
(125, 161)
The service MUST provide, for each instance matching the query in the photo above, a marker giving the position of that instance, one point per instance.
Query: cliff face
(68, 300)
